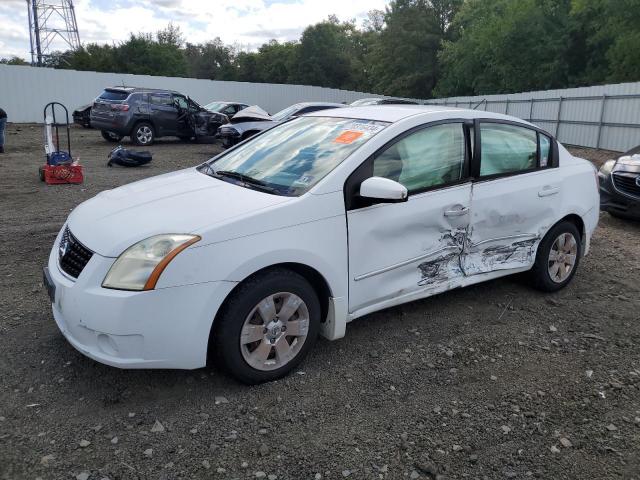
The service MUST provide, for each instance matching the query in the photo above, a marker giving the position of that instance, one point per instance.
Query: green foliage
(415, 48)
(12, 61)
(607, 40)
(210, 60)
(506, 46)
(404, 59)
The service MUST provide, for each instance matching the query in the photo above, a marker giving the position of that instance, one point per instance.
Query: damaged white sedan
(310, 225)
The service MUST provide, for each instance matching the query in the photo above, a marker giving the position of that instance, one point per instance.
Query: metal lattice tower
(51, 21)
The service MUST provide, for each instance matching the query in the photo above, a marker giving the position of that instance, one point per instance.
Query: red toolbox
(57, 174)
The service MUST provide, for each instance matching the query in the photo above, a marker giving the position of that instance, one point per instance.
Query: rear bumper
(117, 123)
(163, 328)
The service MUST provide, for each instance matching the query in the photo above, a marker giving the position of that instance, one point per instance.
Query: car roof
(140, 89)
(395, 112)
(320, 104)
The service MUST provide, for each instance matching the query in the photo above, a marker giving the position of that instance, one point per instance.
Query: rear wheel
(110, 136)
(267, 327)
(557, 258)
(143, 134)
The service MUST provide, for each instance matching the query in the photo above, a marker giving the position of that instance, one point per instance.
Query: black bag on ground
(128, 158)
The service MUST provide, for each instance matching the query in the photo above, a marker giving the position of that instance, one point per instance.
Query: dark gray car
(620, 185)
(145, 114)
(254, 120)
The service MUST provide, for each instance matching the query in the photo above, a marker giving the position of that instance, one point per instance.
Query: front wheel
(267, 327)
(110, 136)
(143, 134)
(558, 257)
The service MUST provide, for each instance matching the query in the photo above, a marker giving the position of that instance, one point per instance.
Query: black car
(81, 116)
(620, 185)
(145, 114)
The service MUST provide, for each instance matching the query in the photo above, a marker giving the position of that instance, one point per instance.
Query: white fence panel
(604, 116)
(24, 91)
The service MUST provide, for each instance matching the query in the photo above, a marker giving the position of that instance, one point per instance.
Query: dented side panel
(509, 217)
(400, 249)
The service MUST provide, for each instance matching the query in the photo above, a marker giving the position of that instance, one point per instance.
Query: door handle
(548, 190)
(456, 213)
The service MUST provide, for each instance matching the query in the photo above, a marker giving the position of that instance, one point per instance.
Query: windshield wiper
(247, 180)
(239, 176)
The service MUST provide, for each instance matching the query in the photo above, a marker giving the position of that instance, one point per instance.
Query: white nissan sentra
(310, 225)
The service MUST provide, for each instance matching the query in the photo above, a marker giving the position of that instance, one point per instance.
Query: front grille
(627, 182)
(73, 256)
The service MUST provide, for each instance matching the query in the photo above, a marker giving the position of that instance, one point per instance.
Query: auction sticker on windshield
(357, 130)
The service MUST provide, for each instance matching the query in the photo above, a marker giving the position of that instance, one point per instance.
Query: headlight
(606, 168)
(140, 266)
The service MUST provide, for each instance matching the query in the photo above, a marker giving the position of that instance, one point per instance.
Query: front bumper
(612, 201)
(163, 328)
(228, 136)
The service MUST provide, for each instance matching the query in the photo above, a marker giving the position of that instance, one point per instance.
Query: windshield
(215, 106)
(286, 113)
(292, 157)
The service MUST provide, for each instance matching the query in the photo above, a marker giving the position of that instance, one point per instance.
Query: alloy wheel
(144, 135)
(562, 257)
(274, 331)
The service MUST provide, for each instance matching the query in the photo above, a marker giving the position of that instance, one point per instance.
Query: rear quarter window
(114, 95)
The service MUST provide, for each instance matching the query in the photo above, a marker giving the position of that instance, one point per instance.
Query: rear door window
(545, 150)
(507, 149)
(160, 99)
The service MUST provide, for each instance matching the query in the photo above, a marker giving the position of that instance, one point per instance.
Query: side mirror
(383, 190)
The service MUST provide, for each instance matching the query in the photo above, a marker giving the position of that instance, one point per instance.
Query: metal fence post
(530, 108)
(602, 105)
(559, 116)
(506, 108)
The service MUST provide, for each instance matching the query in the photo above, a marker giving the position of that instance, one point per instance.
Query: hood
(257, 126)
(186, 201)
(251, 113)
(628, 163)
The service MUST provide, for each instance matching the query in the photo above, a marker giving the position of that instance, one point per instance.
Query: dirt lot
(488, 382)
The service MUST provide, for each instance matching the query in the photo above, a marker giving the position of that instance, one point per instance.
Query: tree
(323, 56)
(605, 41)
(212, 60)
(504, 46)
(14, 60)
(404, 59)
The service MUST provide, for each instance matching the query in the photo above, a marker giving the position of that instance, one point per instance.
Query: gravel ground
(488, 382)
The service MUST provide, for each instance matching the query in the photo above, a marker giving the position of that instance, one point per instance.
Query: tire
(248, 135)
(143, 134)
(258, 361)
(543, 274)
(110, 136)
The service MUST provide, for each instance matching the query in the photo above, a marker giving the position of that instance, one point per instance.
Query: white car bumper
(163, 328)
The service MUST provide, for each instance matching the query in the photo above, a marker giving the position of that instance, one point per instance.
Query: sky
(247, 23)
